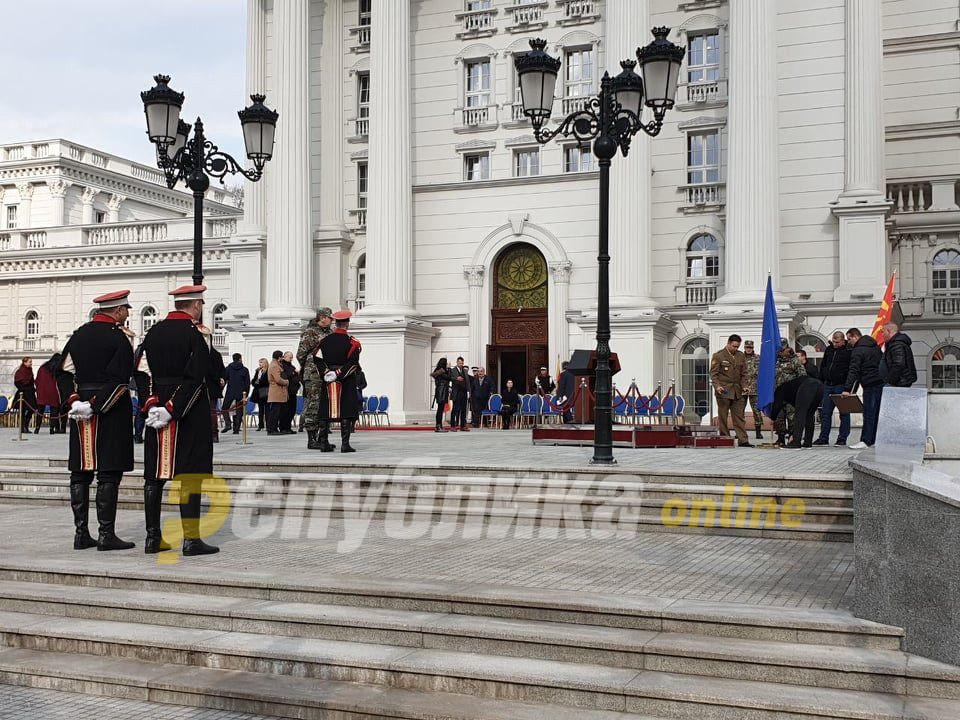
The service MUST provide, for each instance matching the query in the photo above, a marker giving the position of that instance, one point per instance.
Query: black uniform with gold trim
(338, 353)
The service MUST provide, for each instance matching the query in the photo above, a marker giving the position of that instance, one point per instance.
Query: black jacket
(864, 365)
(441, 386)
(566, 385)
(289, 373)
(901, 371)
(238, 379)
(835, 364)
(460, 388)
(482, 388)
(260, 382)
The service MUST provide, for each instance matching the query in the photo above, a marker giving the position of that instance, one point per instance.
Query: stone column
(113, 207)
(478, 308)
(753, 193)
(389, 213)
(289, 287)
(862, 206)
(559, 305)
(58, 191)
(26, 203)
(332, 240)
(86, 200)
(255, 193)
(627, 27)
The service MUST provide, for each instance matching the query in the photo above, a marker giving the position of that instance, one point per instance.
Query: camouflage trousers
(311, 407)
(757, 416)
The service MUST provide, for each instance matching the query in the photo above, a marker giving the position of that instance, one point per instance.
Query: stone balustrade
(527, 15)
(578, 11)
(476, 23)
(705, 195)
(361, 35)
(697, 294)
(914, 195)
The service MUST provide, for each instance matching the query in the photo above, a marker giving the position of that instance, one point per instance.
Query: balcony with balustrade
(578, 12)
(527, 15)
(697, 293)
(361, 130)
(704, 198)
(476, 23)
(476, 119)
(360, 36)
(359, 216)
(702, 95)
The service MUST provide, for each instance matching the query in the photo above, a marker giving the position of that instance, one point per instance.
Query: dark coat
(339, 399)
(215, 379)
(290, 374)
(460, 387)
(482, 389)
(566, 385)
(238, 380)
(441, 386)
(901, 370)
(864, 365)
(101, 358)
(511, 402)
(260, 382)
(835, 364)
(179, 357)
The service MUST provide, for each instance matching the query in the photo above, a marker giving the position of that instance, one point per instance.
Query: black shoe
(807, 445)
(272, 432)
(821, 441)
(745, 444)
(259, 429)
(83, 541)
(198, 547)
(841, 443)
(759, 434)
(112, 542)
(793, 445)
(439, 429)
(313, 441)
(287, 432)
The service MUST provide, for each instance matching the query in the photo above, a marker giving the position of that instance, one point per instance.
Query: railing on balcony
(526, 13)
(576, 11)
(126, 233)
(700, 294)
(477, 116)
(220, 339)
(41, 150)
(910, 196)
(144, 173)
(35, 239)
(362, 34)
(15, 153)
(31, 344)
(946, 305)
(361, 215)
(706, 194)
(575, 103)
(362, 127)
(222, 228)
(477, 22)
(703, 92)
(5, 241)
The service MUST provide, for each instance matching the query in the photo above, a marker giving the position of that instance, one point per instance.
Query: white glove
(80, 410)
(329, 376)
(158, 417)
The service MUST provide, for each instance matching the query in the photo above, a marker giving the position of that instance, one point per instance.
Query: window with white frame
(703, 57)
(471, 5)
(946, 271)
(703, 157)
(703, 258)
(12, 216)
(32, 325)
(365, 12)
(361, 281)
(476, 166)
(363, 102)
(695, 375)
(219, 310)
(361, 185)
(945, 368)
(578, 158)
(148, 318)
(478, 83)
(526, 162)
(578, 73)
(99, 217)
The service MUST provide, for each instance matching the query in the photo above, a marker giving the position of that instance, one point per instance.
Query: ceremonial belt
(168, 380)
(90, 387)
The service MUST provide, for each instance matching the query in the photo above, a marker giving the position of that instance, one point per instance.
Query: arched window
(946, 271)
(945, 368)
(148, 318)
(32, 325)
(219, 332)
(703, 258)
(361, 282)
(813, 346)
(695, 375)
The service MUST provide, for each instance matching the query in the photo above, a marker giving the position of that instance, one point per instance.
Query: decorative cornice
(520, 140)
(702, 122)
(475, 145)
(360, 154)
(508, 182)
(914, 131)
(922, 43)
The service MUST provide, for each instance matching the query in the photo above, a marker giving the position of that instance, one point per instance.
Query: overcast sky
(75, 69)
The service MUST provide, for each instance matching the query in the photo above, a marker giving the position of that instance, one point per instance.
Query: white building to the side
(817, 142)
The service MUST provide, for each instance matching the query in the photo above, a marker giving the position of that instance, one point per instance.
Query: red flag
(885, 313)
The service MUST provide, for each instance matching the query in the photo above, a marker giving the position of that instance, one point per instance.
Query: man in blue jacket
(238, 380)
(864, 371)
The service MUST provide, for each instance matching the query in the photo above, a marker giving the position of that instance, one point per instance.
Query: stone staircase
(618, 500)
(354, 647)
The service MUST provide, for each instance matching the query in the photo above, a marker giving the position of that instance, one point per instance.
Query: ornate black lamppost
(195, 160)
(610, 119)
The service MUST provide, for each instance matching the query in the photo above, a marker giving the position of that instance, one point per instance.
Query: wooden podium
(583, 364)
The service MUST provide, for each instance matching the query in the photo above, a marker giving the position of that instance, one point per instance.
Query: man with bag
(338, 363)
(310, 338)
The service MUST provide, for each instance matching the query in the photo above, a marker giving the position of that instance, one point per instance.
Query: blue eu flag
(769, 348)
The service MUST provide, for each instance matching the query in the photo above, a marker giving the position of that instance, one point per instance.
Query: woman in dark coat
(48, 392)
(26, 394)
(510, 405)
(441, 391)
(261, 386)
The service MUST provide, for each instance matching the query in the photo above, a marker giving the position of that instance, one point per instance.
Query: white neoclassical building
(819, 142)
(76, 222)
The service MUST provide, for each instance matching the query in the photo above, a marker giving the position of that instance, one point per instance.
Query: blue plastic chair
(534, 408)
(620, 407)
(301, 402)
(493, 409)
(382, 407)
(370, 408)
(4, 407)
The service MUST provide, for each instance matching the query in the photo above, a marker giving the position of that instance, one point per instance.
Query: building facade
(75, 223)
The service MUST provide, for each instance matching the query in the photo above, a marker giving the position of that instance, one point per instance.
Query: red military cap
(188, 292)
(342, 315)
(112, 300)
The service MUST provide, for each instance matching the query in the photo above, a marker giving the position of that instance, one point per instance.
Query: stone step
(890, 671)
(269, 695)
(578, 685)
(829, 524)
(719, 620)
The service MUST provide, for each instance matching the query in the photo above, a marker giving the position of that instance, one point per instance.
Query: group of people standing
(43, 395)
(852, 361)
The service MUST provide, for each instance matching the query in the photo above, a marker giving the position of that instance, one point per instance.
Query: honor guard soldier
(179, 438)
(100, 357)
(338, 363)
(310, 338)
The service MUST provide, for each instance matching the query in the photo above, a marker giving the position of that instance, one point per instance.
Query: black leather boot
(107, 514)
(190, 519)
(80, 504)
(323, 434)
(345, 429)
(759, 433)
(313, 440)
(152, 502)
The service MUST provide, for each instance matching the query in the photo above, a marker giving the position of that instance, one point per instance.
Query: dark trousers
(274, 412)
(826, 415)
(505, 416)
(458, 418)
(805, 417)
(225, 413)
(439, 419)
(139, 421)
(287, 414)
(261, 413)
(871, 413)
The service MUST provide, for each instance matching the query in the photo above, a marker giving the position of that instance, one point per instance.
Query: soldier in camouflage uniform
(788, 367)
(753, 371)
(310, 338)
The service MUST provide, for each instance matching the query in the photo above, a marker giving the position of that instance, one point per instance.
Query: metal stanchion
(243, 421)
(20, 437)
